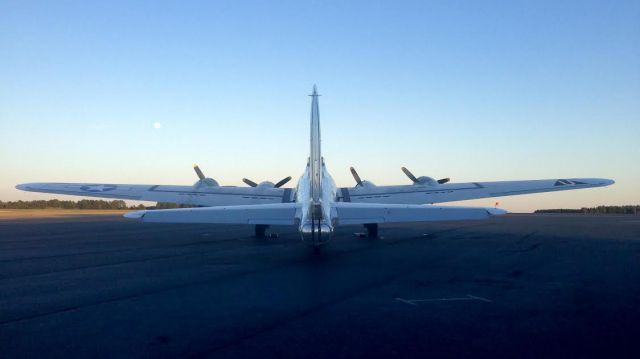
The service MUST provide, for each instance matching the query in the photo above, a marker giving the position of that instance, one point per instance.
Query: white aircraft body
(315, 205)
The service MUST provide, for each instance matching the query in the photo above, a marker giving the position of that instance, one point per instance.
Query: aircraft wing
(190, 195)
(438, 193)
(276, 214)
(360, 213)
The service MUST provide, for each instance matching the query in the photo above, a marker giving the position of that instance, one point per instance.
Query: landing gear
(372, 230)
(261, 230)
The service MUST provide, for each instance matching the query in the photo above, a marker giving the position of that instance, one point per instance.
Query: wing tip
(608, 182)
(496, 211)
(24, 186)
(135, 214)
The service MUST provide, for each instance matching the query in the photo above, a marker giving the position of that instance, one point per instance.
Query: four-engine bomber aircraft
(315, 205)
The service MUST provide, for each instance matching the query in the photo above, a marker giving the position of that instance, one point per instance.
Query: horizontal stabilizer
(276, 214)
(361, 213)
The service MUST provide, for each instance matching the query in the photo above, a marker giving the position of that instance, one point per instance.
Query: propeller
(282, 182)
(359, 181)
(279, 184)
(249, 182)
(355, 176)
(410, 175)
(198, 172)
(423, 179)
(202, 179)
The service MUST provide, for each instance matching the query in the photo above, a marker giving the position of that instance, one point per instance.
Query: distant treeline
(169, 205)
(596, 210)
(55, 203)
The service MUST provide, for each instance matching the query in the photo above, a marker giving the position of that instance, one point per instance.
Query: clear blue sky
(468, 90)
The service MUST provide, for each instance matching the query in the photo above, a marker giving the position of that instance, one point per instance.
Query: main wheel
(261, 230)
(372, 230)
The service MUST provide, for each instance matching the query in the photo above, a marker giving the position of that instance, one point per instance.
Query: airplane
(316, 206)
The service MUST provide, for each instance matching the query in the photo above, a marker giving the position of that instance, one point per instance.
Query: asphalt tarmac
(525, 286)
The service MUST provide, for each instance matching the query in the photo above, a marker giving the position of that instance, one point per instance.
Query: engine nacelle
(426, 181)
(206, 182)
(423, 180)
(266, 184)
(203, 180)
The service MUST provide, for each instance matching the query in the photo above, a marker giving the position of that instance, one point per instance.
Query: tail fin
(315, 156)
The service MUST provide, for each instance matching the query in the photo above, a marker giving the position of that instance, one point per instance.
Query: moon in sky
(157, 125)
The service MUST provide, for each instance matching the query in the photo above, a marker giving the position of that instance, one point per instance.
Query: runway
(526, 286)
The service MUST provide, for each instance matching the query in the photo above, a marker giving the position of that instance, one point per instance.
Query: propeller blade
(282, 182)
(249, 182)
(410, 175)
(198, 172)
(355, 176)
(444, 180)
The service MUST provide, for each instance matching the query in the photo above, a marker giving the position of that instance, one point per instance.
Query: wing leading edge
(190, 195)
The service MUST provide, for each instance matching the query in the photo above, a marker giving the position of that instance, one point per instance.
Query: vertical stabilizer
(315, 157)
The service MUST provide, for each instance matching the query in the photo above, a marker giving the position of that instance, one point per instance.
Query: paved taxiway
(516, 286)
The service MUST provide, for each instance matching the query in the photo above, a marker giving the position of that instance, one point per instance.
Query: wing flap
(360, 213)
(275, 214)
